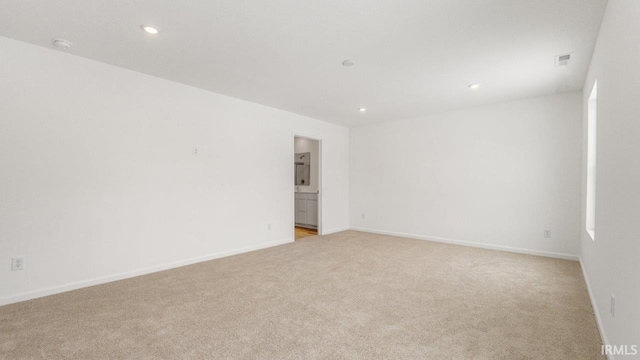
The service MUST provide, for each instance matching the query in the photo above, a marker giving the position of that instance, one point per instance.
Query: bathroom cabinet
(307, 210)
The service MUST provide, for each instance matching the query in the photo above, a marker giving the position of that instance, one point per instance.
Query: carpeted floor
(347, 295)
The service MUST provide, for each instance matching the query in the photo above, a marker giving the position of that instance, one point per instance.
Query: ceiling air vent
(563, 60)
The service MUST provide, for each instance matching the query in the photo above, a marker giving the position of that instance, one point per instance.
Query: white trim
(327, 232)
(603, 335)
(109, 278)
(473, 244)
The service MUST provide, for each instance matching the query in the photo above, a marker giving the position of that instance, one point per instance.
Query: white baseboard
(327, 232)
(105, 279)
(472, 244)
(603, 334)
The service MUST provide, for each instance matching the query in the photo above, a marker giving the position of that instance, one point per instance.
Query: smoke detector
(62, 44)
(563, 60)
(348, 63)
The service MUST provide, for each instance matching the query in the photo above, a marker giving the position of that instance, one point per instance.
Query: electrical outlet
(613, 305)
(268, 226)
(17, 263)
(195, 151)
(362, 215)
(547, 233)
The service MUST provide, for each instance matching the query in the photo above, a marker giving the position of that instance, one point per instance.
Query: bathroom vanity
(306, 209)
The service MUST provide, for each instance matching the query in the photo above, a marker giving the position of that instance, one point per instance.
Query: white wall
(612, 261)
(304, 145)
(98, 180)
(496, 175)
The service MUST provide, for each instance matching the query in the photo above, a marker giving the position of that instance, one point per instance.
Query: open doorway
(306, 180)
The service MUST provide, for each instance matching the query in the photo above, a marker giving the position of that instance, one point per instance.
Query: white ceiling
(413, 57)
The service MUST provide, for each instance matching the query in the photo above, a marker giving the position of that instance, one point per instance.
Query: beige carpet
(348, 295)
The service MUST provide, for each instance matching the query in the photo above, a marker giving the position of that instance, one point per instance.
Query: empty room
(383, 179)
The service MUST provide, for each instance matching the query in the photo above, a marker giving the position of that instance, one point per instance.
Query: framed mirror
(302, 163)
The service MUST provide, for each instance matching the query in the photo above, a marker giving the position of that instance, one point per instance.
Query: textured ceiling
(413, 57)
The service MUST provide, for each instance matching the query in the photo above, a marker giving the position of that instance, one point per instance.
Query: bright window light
(592, 117)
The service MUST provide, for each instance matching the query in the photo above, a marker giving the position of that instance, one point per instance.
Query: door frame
(292, 180)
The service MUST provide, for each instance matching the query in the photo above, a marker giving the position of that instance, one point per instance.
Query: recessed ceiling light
(149, 29)
(348, 63)
(362, 109)
(62, 44)
(474, 86)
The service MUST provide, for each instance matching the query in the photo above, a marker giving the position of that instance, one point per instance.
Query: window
(591, 160)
